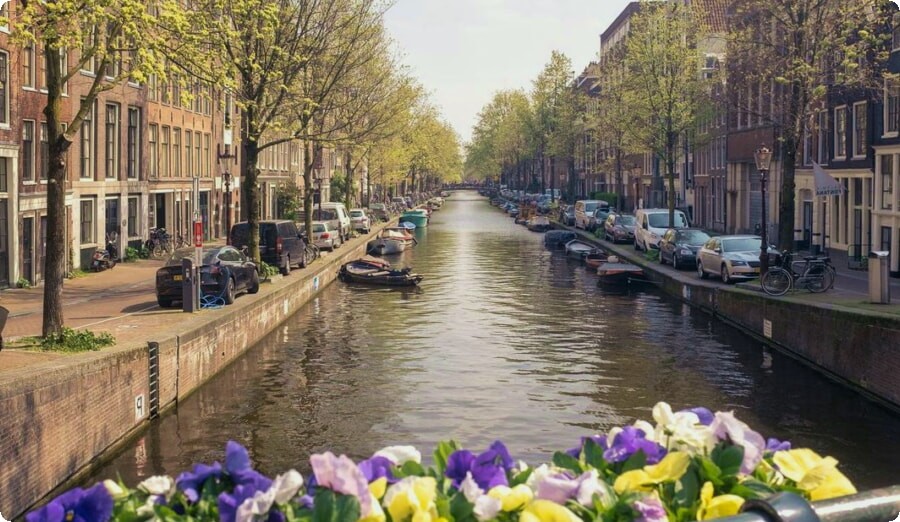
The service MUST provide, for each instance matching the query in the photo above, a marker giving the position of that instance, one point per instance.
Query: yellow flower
(547, 511)
(511, 499)
(672, 467)
(377, 487)
(716, 507)
(817, 476)
(376, 514)
(412, 499)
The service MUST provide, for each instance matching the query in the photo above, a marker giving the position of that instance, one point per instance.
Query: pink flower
(341, 475)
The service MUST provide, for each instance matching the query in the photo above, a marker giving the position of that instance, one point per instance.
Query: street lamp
(763, 158)
(227, 176)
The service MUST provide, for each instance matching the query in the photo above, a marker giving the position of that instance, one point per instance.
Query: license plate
(176, 278)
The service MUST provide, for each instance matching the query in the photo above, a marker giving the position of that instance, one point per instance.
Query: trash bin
(879, 272)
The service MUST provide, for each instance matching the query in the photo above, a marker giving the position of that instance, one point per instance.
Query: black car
(224, 272)
(280, 243)
(680, 246)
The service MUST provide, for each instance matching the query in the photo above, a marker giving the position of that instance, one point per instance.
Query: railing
(877, 505)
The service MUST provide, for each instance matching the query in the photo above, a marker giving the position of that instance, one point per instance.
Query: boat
(418, 217)
(579, 249)
(407, 225)
(558, 238)
(386, 246)
(616, 272)
(375, 271)
(445, 194)
(400, 234)
(594, 260)
(538, 224)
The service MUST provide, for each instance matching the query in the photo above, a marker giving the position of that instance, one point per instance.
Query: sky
(463, 51)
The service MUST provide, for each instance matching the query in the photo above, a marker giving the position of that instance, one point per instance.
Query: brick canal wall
(58, 418)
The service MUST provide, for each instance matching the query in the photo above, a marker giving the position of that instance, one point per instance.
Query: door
(4, 242)
(204, 214)
(112, 218)
(160, 206)
(28, 249)
(806, 242)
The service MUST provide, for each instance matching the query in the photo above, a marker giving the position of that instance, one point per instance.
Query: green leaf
(442, 454)
(593, 455)
(728, 457)
(687, 489)
(412, 469)
(331, 507)
(520, 478)
(461, 509)
(566, 461)
(752, 488)
(709, 471)
(636, 461)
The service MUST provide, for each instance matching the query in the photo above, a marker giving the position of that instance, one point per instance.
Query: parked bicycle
(814, 273)
(160, 242)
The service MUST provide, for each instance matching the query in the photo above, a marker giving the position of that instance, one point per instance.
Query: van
(337, 214)
(279, 243)
(584, 213)
(652, 223)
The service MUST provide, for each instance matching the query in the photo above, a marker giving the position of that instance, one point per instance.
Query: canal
(503, 340)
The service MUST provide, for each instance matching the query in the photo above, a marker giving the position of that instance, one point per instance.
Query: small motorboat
(578, 249)
(416, 216)
(407, 225)
(615, 272)
(558, 238)
(386, 246)
(400, 234)
(538, 224)
(375, 271)
(594, 260)
(445, 194)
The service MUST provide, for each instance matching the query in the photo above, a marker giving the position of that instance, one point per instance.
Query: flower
(629, 441)
(378, 467)
(599, 440)
(412, 499)
(400, 455)
(236, 458)
(470, 489)
(773, 445)
(78, 505)
(192, 482)
(115, 490)
(813, 474)
(343, 476)
(716, 507)
(650, 510)
(159, 485)
(591, 486)
(486, 508)
(488, 469)
(726, 427)
(511, 499)
(672, 467)
(547, 511)
(682, 430)
(704, 415)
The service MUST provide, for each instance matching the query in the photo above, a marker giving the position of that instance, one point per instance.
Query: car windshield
(625, 220)
(318, 227)
(327, 213)
(661, 220)
(181, 253)
(356, 213)
(747, 244)
(590, 207)
(693, 237)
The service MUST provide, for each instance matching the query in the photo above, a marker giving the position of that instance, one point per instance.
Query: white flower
(487, 508)
(147, 509)
(590, 486)
(282, 490)
(400, 454)
(681, 431)
(114, 489)
(538, 475)
(520, 467)
(646, 427)
(470, 488)
(159, 485)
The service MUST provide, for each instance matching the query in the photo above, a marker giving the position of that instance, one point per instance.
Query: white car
(652, 223)
(731, 257)
(359, 220)
(325, 235)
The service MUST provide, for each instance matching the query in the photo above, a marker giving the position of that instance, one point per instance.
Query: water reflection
(504, 339)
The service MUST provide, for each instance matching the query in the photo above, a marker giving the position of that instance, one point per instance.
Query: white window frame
(888, 87)
(113, 160)
(860, 107)
(93, 214)
(822, 155)
(29, 177)
(29, 59)
(4, 86)
(838, 127)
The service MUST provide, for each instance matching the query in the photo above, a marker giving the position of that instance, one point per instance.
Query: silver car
(359, 220)
(731, 257)
(619, 227)
(325, 235)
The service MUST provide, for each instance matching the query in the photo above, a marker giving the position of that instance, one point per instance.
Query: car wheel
(229, 291)
(662, 258)
(254, 283)
(674, 261)
(286, 267)
(636, 245)
(164, 303)
(700, 272)
(726, 277)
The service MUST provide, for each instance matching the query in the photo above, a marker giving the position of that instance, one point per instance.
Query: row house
(881, 204)
(589, 170)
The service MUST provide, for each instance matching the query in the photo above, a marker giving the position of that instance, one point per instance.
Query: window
(165, 157)
(87, 145)
(892, 108)
(90, 66)
(28, 150)
(45, 151)
(860, 131)
(887, 181)
(87, 221)
(112, 140)
(822, 139)
(42, 73)
(132, 217)
(840, 132)
(152, 88)
(197, 163)
(4, 87)
(153, 160)
(4, 175)
(176, 153)
(807, 147)
(188, 164)
(28, 65)
(206, 161)
(134, 125)
(895, 36)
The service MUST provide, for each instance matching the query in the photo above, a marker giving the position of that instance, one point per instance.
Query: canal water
(503, 340)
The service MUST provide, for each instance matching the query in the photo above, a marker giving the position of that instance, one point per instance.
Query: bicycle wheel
(776, 281)
(819, 278)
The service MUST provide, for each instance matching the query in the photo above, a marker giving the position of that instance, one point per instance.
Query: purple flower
(488, 469)
(774, 445)
(705, 416)
(307, 501)
(236, 458)
(458, 464)
(726, 427)
(78, 505)
(341, 475)
(376, 468)
(191, 483)
(628, 442)
(650, 510)
(558, 487)
(599, 440)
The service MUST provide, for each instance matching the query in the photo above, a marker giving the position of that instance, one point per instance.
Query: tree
(554, 113)
(799, 51)
(502, 139)
(663, 92)
(119, 40)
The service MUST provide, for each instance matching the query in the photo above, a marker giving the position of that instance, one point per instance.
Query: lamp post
(763, 158)
(227, 176)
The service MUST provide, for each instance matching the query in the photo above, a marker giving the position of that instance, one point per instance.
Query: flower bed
(689, 465)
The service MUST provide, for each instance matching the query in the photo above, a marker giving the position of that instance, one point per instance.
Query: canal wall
(858, 348)
(59, 417)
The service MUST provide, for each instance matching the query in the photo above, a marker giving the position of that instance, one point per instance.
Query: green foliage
(331, 507)
(73, 341)
(267, 271)
(78, 273)
(144, 253)
(609, 197)
(132, 254)
(23, 283)
(290, 200)
(652, 255)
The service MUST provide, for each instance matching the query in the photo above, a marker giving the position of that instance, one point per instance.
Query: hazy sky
(463, 51)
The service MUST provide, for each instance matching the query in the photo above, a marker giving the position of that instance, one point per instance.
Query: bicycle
(816, 275)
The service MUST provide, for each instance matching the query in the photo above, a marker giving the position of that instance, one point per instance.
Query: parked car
(652, 223)
(732, 257)
(379, 211)
(359, 220)
(619, 227)
(325, 235)
(567, 215)
(600, 215)
(225, 272)
(337, 214)
(680, 246)
(584, 213)
(280, 243)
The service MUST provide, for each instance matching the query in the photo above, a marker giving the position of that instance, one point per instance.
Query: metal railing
(877, 505)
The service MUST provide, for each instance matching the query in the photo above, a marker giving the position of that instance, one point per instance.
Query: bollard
(879, 273)
(189, 301)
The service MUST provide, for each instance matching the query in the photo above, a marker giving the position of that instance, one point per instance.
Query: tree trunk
(671, 139)
(308, 164)
(348, 189)
(250, 181)
(57, 242)
(788, 167)
(620, 205)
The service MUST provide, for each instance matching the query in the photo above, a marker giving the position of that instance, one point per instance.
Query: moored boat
(578, 249)
(594, 260)
(400, 234)
(538, 224)
(374, 271)
(558, 238)
(407, 225)
(386, 246)
(418, 217)
(615, 272)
